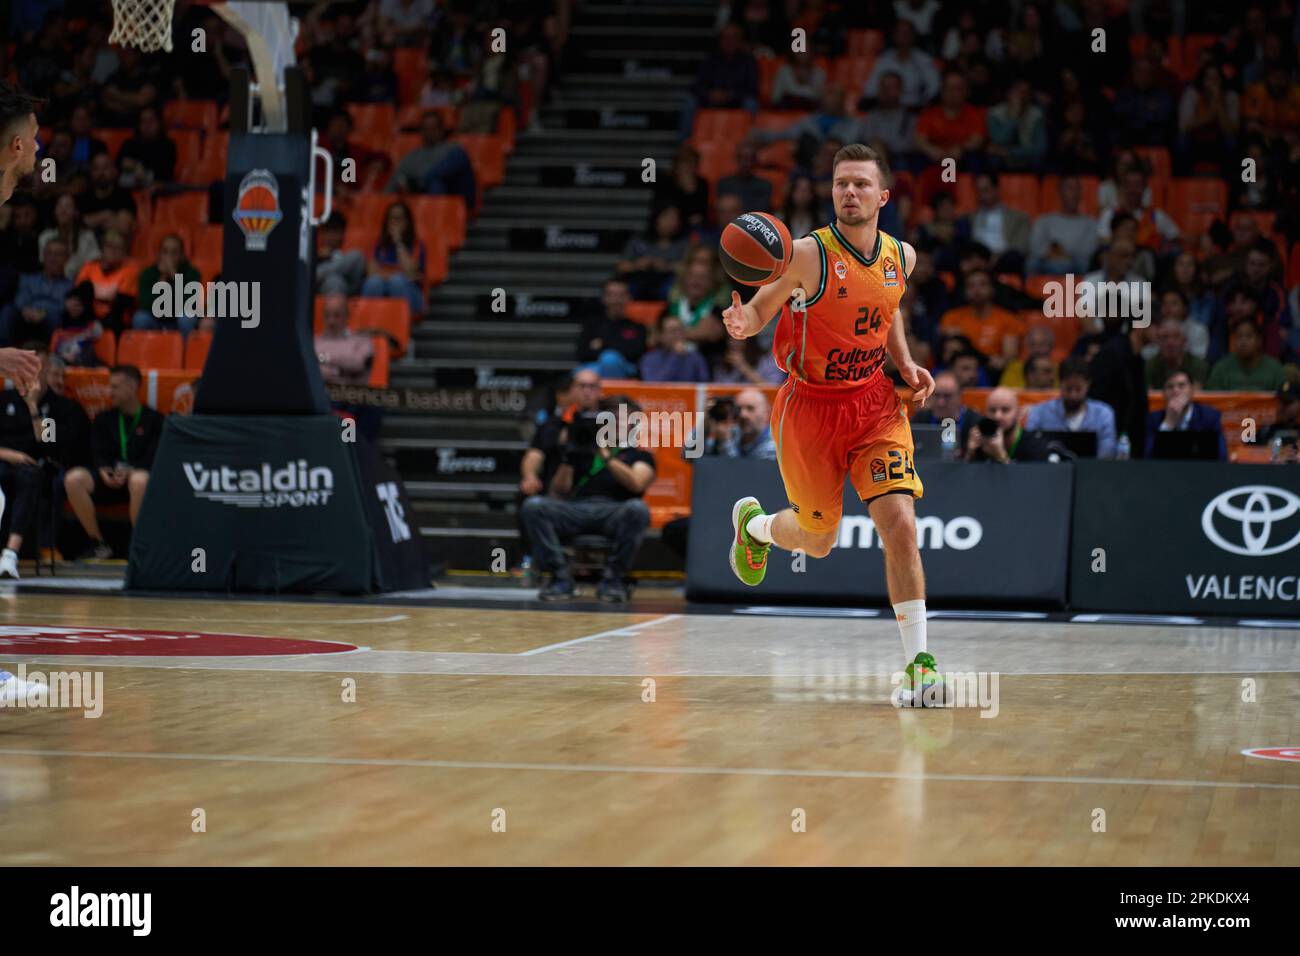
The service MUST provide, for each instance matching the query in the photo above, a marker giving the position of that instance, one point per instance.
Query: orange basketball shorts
(825, 433)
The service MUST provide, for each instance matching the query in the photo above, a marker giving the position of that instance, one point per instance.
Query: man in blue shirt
(1074, 411)
(37, 309)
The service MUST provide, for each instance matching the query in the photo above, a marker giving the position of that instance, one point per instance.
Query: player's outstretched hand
(920, 380)
(22, 366)
(733, 317)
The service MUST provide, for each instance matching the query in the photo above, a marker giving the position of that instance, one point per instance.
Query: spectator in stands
(370, 168)
(1040, 340)
(650, 262)
(975, 256)
(1173, 305)
(946, 405)
(596, 490)
(890, 122)
(952, 129)
(914, 66)
(20, 476)
(345, 356)
(85, 144)
(830, 119)
(378, 82)
(397, 264)
(1241, 304)
(337, 269)
(1258, 275)
(696, 300)
(994, 331)
(439, 167)
(1246, 368)
(149, 156)
(1182, 414)
(73, 179)
(71, 426)
(1144, 111)
(1118, 374)
(755, 193)
(925, 300)
(1064, 241)
(968, 366)
(946, 233)
(739, 364)
(799, 212)
(672, 359)
(1208, 121)
(1287, 417)
(37, 309)
(80, 242)
(546, 450)
(107, 206)
(798, 84)
(19, 243)
(1124, 228)
(1187, 280)
(75, 340)
(750, 434)
(1174, 356)
(1000, 229)
(171, 262)
(115, 278)
(685, 188)
(726, 80)
(1272, 108)
(1017, 130)
(1118, 268)
(129, 90)
(1156, 229)
(407, 20)
(1074, 411)
(439, 89)
(1010, 442)
(1040, 372)
(123, 442)
(1074, 147)
(610, 341)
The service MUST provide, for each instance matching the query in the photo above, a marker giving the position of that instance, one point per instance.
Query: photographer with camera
(597, 489)
(999, 436)
(740, 427)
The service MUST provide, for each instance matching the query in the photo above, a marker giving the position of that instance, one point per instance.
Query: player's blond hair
(859, 152)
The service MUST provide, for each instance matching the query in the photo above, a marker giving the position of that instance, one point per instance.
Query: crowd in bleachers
(1171, 157)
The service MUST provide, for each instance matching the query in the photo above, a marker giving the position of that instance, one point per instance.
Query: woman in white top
(80, 240)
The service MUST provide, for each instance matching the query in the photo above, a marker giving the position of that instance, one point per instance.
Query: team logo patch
(817, 516)
(877, 469)
(257, 210)
(841, 270)
(794, 507)
(891, 272)
(842, 294)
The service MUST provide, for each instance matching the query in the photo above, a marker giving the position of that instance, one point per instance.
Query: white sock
(10, 551)
(760, 528)
(911, 627)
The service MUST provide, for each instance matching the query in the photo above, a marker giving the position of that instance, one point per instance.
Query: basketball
(755, 248)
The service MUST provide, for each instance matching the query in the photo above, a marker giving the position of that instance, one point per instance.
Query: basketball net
(146, 24)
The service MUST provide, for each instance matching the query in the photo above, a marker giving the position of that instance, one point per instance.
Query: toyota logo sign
(1252, 510)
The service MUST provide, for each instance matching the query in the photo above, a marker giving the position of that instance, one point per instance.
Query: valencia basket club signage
(977, 545)
(1228, 538)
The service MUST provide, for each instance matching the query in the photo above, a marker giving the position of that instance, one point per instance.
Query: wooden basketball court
(555, 737)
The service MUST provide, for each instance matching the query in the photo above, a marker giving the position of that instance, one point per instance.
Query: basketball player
(837, 415)
(17, 159)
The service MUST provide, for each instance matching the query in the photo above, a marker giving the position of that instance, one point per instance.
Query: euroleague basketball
(755, 248)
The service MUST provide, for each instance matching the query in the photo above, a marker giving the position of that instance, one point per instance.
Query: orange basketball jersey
(839, 339)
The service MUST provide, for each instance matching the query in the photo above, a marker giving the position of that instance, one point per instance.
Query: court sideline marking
(630, 631)
(635, 769)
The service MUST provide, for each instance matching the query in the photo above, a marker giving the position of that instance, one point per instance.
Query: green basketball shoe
(748, 557)
(922, 684)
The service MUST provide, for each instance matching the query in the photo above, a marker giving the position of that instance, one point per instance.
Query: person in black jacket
(123, 442)
(1118, 377)
(62, 431)
(20, 476)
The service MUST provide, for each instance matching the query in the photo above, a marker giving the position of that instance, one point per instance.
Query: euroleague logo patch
(891, 272)
(877, 469)
(41, 640)
(841, 270)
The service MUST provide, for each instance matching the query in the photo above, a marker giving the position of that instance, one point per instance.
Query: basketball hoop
(146, 24)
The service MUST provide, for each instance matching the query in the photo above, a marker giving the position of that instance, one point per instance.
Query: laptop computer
(1080, 444)
(1200, 445)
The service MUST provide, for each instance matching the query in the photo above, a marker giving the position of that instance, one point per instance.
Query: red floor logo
(41, 640)
(1274, 753)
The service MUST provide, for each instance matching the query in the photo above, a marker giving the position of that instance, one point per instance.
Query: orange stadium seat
(379, 367)
(446, 214)
(720, 126)
(865, 42)
(507, 124)
(198, 115)
(182, 209)
(777, 177)
(717, 159)
(1034, 284)
(390, 316)
(151, 349)
(106, 348)
(373, 122)
(143, 207)
(767, 70)
(1020, 191)
(1293, 266)
(189, 147)
(487, 155)
(1012, 279)
(1049, 195)
(1157, 159)
(1194, 45)
(851, 73)
(401, 144)
(113, 138)
(169, 390)
(208, 241)
(411, 64)
(211, 165)
(645, 312)
(197, 345)
(1195, 203)
(88, 387)
(408, 117)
